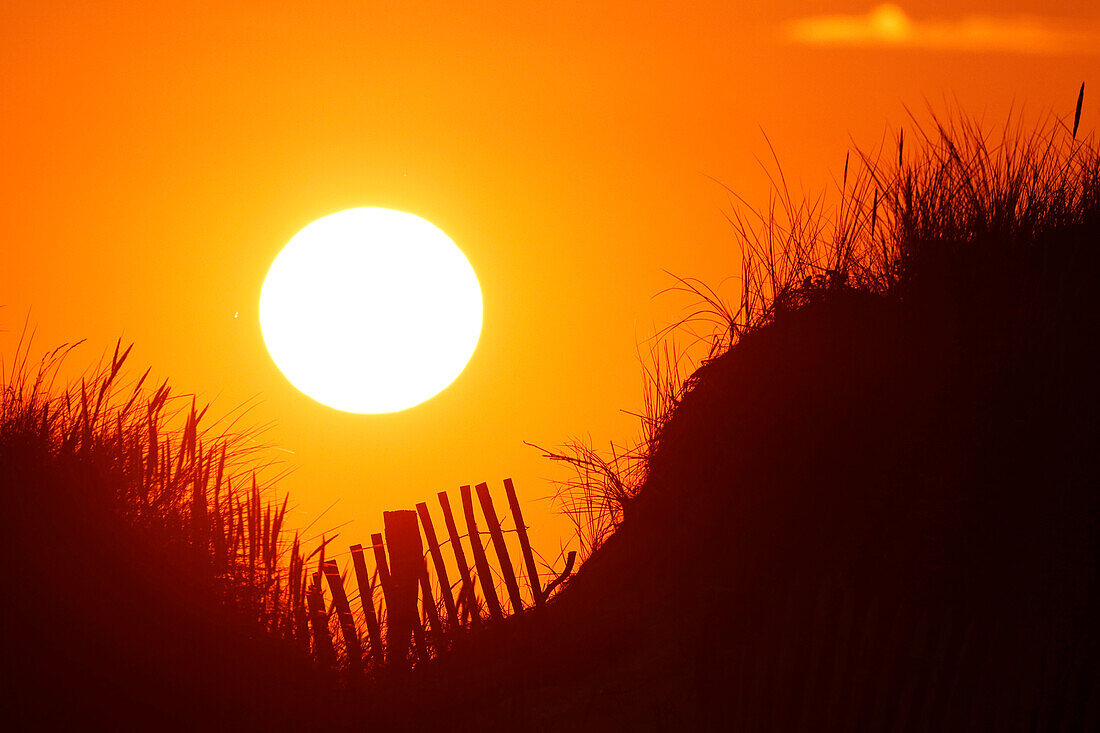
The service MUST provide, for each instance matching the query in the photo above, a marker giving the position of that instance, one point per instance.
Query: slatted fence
(423, 592)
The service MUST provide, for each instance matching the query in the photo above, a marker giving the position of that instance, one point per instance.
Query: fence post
(524, 543)
(366, 599)
(343, 613)
(466, 590)
(480, 560)
(497, 536)
(405, 569)
(440, 568)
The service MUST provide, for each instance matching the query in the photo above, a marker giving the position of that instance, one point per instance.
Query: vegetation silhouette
(874, 505)
(155, 586)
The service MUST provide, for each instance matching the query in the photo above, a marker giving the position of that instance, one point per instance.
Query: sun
(371, 310)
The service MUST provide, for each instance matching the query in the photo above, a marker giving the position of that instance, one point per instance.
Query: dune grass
(953, 199)
(146, 457)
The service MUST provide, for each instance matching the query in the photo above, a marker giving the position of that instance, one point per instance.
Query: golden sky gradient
(157, 156)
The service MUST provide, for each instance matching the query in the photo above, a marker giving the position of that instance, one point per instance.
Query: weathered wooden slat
(298, 595)
(366, 599)
(440, 567)
(490, 513)
(428, 603)
(466, 591)
(480, 561)
(378, 544)
(343, 613)
(524, 542)
(383, 566)
(318, 621)
(301, 621)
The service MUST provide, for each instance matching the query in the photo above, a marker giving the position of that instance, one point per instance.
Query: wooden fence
(410, 601)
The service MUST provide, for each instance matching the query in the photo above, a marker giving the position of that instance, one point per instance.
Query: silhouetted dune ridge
(875, 506)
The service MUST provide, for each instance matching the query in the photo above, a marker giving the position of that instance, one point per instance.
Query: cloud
(888, 25)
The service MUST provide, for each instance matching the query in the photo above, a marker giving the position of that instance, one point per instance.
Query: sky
(158, 156)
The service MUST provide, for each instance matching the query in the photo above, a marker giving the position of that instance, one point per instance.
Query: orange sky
(157, 156)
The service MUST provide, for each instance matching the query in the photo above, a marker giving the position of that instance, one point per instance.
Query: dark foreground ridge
(106, 628)
(877, 510)
(150, 585)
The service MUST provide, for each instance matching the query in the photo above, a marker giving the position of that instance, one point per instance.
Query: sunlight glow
(889, 25)
(371, 310)
(890, 22)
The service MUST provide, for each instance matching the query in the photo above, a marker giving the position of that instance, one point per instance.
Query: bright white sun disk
(371, 310)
